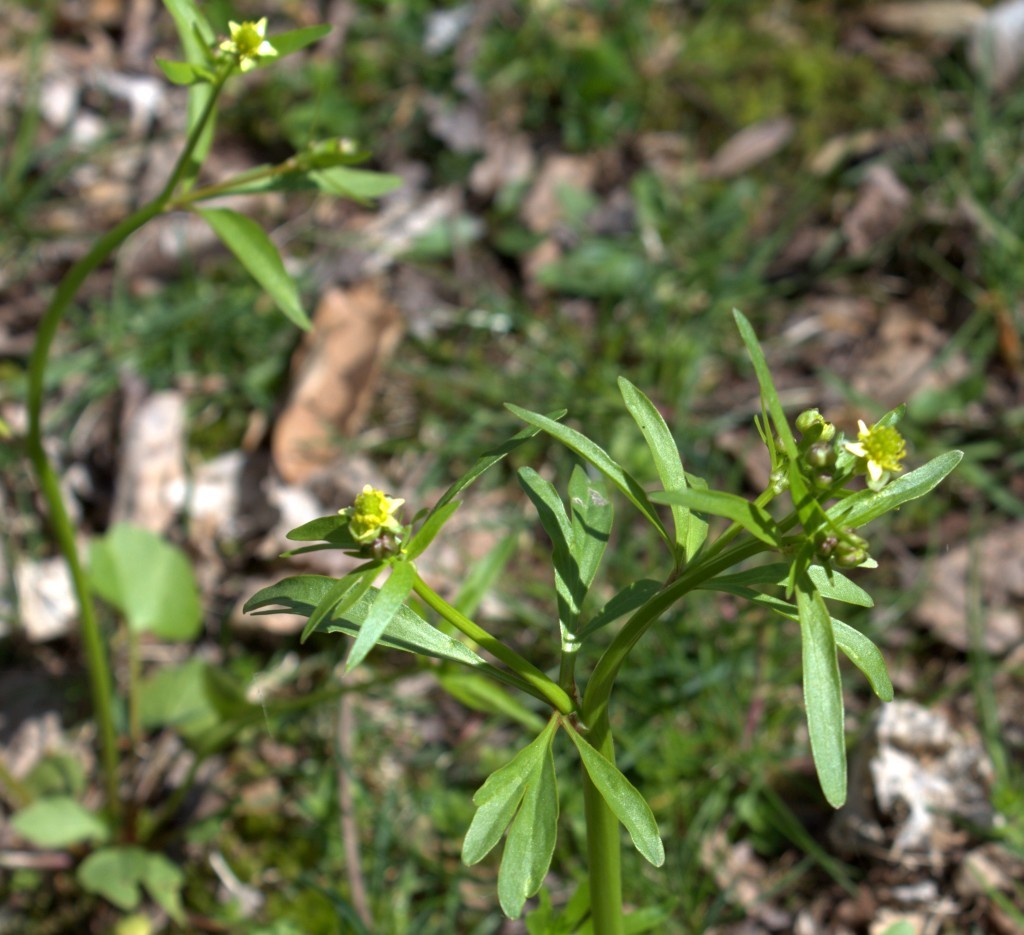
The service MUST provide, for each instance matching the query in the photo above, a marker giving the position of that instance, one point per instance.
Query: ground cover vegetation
(588, 190)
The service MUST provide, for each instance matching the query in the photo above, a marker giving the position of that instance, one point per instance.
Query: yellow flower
(248, 43)
(372, 514)
(883, 448)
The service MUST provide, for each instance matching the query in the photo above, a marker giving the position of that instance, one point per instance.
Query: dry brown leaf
(998, 558)
(335, 373)
(750, 147)
(882, 205)
(542, 209)
(932, 19)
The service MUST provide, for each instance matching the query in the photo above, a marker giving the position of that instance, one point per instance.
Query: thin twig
(346, 731)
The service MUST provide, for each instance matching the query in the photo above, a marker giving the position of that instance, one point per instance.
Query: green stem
(603, 843)
(604, 853)
(544, 687)
(92, 638)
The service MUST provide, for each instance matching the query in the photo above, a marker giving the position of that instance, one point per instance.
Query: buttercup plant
(783, 551)
(210, 63)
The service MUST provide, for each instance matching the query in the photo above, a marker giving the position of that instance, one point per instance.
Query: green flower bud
(820, 455)
(808, 419)
(846, 556)
(778, 481)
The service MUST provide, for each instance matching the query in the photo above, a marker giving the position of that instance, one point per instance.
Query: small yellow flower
(883, 448)
(372, 514)
(248, 43)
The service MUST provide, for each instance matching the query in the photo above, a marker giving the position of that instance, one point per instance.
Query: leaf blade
(260, 258)
(623, 798)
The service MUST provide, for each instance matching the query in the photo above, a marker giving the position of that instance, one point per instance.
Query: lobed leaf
(531, 837)
(499, 797)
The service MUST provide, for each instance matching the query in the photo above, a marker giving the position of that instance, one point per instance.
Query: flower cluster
(882, 449)
(248, 43)
(371, 519)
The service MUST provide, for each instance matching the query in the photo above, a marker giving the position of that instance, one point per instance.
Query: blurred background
(588, 190)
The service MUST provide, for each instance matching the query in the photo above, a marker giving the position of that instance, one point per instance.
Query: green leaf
(531, 837)
(499, 797)
(769, 394)
(175, 696)
(833, 585)
(117, 873)
(431, 527)
(690, 531)
(288, 43)
(345, 593)
(600, 459)
(333, 529)
(823, 692)
(592, 515)
(866, 656)
(360, 185)
(622, 797)
(407, 630)
(58, 821)
(867, 505)
(164, 881)
(488, 460)
(148, 580)
(196, 36)
(183, 73)
(753, 518)
(382, 610)
(255, 251)
(626, 601)
(553, 518)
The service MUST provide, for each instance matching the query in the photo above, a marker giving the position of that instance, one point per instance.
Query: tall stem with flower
(209, 66)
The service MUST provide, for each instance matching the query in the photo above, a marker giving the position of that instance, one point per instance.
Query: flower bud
(820, 455)
(778, 481)
(848, 556)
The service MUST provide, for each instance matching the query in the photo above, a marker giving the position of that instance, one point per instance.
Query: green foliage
(149, 581)
(58, 822)
(120, 874)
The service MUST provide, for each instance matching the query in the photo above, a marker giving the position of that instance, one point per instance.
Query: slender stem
(548, 690)
(134, 677)
(49, 484)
